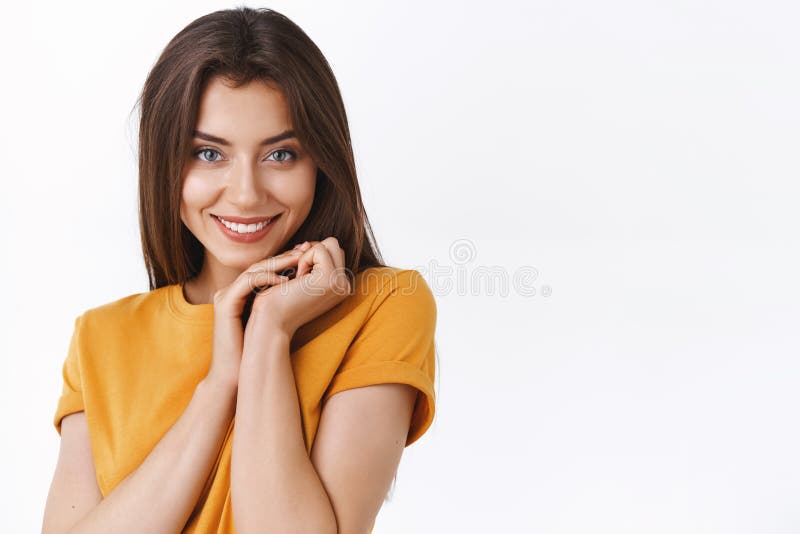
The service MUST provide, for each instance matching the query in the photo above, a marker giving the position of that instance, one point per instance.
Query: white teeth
(244, 228)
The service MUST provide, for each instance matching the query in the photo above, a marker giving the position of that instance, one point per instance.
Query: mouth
(245, 225)
(245, 233)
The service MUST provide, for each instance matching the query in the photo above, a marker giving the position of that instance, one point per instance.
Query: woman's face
(236, 169)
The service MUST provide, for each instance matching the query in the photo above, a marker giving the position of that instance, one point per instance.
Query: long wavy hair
(244, 45)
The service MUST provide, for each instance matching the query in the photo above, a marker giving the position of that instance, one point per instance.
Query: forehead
(243, 114)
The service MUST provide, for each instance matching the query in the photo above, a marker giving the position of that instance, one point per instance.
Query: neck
(211, 278)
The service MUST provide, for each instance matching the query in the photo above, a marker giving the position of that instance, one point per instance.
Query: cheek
(297, 189)
(196, 193)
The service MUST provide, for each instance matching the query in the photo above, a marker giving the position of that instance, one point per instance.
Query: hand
(229, 304)
(320, 284)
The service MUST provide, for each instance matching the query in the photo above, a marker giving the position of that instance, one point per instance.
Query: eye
(282, 155)
(205, 150)
(285, 154)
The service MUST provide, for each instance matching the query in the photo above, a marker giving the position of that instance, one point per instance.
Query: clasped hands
(284, 304)
(281, 304)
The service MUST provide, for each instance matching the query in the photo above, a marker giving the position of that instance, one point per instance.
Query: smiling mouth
(243, 228)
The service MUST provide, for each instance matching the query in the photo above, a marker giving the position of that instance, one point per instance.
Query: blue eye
(206, 149)
(284, 151)
(288, 155)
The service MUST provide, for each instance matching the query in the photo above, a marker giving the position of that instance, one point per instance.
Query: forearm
(274, 486)
(160, 494)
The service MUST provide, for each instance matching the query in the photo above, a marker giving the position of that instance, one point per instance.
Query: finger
(302, 248)
(337, 253)
(229, 302)
(276, 263)
(339, 280)
(254, 281)
(305, 245)
(343, 280)
(260, 281)
(318, 254)
(245, 282)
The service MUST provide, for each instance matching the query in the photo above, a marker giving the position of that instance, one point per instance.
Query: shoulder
(133, 307)
(401, 289)
(380, 282)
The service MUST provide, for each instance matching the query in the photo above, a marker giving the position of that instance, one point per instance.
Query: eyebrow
(268, 141)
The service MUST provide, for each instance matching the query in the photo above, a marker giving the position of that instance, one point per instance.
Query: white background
(642, 156)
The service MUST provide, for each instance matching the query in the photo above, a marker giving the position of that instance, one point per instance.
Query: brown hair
(243, 45)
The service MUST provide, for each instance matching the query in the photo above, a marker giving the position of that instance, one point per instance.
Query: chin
(240, 260)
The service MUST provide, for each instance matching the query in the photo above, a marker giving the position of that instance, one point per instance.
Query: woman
(269, 307)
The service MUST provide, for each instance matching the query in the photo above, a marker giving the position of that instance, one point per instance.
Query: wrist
(266, 346)
(271, 327)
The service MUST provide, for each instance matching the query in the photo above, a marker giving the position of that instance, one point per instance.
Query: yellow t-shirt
(133, 365)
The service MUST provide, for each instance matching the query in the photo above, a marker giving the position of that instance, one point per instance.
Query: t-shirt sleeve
(71, 400)
(396, 345)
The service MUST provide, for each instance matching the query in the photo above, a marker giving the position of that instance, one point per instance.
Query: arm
(160, 494)
(274, 486)
(360, 440)
(73, 491)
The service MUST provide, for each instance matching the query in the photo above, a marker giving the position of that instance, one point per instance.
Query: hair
(243, 45)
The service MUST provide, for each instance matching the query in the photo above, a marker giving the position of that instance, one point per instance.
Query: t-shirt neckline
(182, 309)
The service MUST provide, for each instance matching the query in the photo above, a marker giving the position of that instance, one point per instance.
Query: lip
(243, 220)
(245, 238)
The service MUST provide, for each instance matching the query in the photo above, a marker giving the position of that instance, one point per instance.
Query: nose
(244, 188)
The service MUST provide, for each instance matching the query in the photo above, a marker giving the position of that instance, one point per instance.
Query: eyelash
(209, 149)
